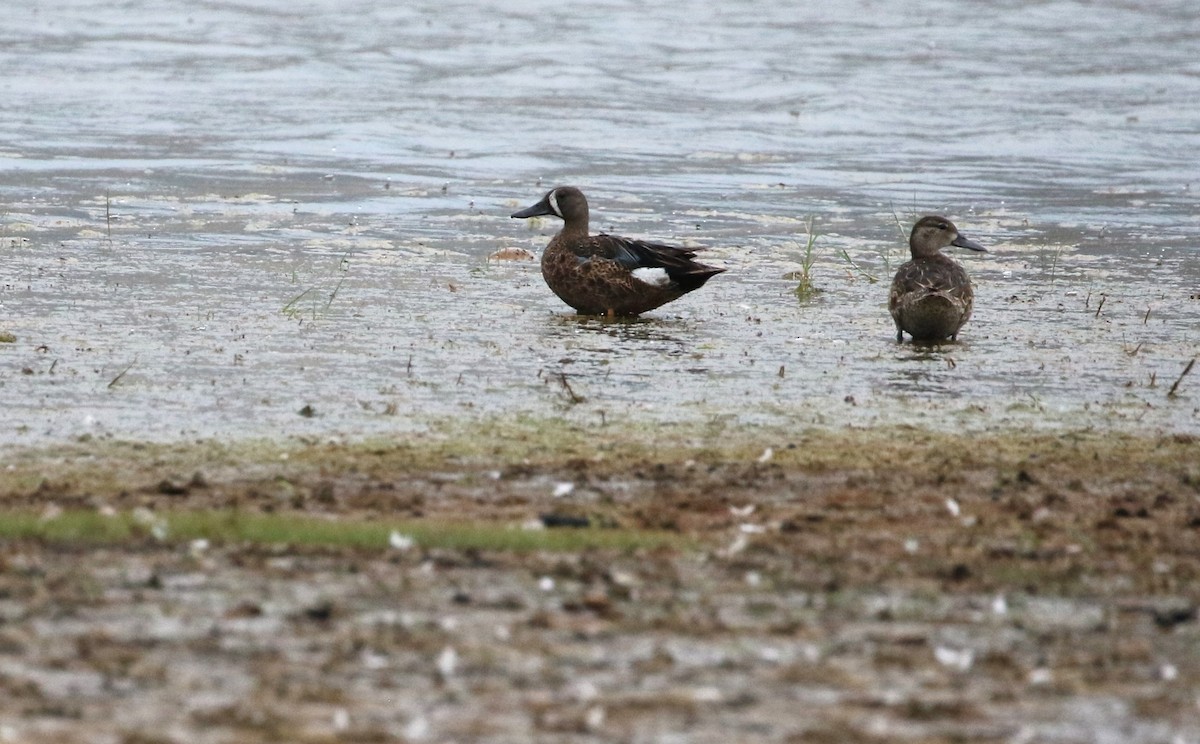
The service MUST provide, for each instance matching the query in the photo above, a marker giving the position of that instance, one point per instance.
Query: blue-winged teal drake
(931, 295)
(609, 275)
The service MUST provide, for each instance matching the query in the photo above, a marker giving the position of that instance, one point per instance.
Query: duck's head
(565, 202)
(932, 233)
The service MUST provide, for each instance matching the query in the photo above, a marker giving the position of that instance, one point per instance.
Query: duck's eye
(943, 226)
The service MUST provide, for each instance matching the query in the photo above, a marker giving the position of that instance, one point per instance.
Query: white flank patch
(655, 277)
(554, 203)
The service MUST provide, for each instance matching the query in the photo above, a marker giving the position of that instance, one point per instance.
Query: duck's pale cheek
(655, 277)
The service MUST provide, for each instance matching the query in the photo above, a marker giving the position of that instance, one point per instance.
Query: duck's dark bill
(537, 210)
(960, 241)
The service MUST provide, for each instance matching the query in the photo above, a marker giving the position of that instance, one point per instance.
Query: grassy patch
(319, 299)
(226, 527)
(805, 289)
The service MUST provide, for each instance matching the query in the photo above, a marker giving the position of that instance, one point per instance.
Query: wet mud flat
(861, 585)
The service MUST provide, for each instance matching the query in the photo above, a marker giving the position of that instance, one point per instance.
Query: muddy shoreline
(863, 585)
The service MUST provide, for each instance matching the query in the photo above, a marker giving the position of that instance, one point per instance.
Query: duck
(606, 274)
(932, 296)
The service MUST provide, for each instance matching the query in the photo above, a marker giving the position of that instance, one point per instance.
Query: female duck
(609, 275)
(931, 295)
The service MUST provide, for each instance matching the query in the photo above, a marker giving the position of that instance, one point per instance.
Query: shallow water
(218, 214)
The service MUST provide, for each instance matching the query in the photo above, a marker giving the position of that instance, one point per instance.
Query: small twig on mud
(1125, 346)
(344, 267)
(108, 218)
(121, 374)
(1183, 374)
(1100, 306)
(1146, 319)
(571, 394)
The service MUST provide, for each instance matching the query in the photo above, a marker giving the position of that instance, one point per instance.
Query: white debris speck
(912, 545)
(585, 691)
(563, 489)
(398, 541)
(156, 524)
(417, 729)
(198, 547)
(738, 545)
(960, 659)
(89, 420)
(494, 474)
(753, 578)
(50, 513)
(502, 633)
(533, 525)
(1000, 605)
(447, 662)
(373, 661)
(706, 695)
(952, 507)
(107, 511)
(752, 529)
(623, 578)
(1040, 676)
(594, 718)
(766, 455)
(742, 511)
(341, 719)
(546, 584)
(1168, 672)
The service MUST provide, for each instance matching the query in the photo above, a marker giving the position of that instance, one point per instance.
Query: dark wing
(639, 254)
(917, 279)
